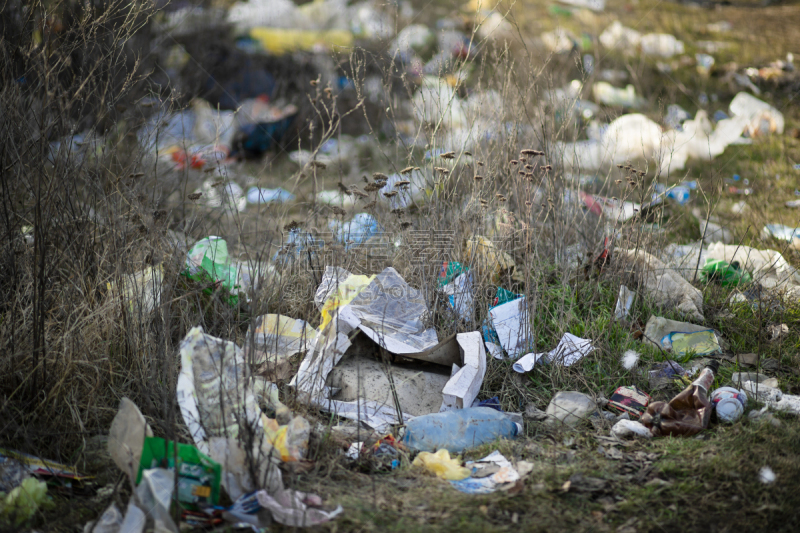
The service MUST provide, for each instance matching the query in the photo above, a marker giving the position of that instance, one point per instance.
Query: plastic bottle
(457, 430)
(687, 413)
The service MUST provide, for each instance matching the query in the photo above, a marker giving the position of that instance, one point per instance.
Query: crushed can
(729, 403)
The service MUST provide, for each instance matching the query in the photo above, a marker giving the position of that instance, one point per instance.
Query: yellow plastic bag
(442, 465)
(289, 441)
(483, 256)
(281, 41)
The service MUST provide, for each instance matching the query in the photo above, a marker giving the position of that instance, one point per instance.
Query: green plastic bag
(208, 261)
(198, 475)
(725, 273)
(23, 501)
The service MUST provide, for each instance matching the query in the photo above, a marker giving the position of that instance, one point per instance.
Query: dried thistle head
(405, 225)
(218, 184)
(467, 152)
(293, 225)
(338, 211)
(533, 153)
(402, 183)
(135, 175)
(528, 203)
(343, 188)
(480, 163)
(399, 212)
(407, 170)
(378, 176)
(478, 178)
(390, 194)
(372, 187)
(448, 155)
(358, 193)
(370, 205)
(513, 162)
(547, 168)
(195, 196)
(529, 168)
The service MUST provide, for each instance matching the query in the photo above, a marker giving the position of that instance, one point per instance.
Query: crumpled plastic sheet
(664, 285)
(295, 509)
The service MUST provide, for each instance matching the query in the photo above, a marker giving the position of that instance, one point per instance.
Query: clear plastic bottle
(458, 430)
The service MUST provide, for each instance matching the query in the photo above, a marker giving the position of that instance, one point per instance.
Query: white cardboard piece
(510, 320)
(463, 387)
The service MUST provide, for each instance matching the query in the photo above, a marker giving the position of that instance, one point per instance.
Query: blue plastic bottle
(458, 430)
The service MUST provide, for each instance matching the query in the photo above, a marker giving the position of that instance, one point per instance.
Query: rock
(571, 407)
(761, 379)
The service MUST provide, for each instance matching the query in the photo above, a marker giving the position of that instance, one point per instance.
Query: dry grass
(69, 350)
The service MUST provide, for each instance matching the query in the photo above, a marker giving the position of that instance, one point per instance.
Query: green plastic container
(725, 273)
(198, 475)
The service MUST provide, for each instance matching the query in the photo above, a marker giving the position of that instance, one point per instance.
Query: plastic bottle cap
(729, 410)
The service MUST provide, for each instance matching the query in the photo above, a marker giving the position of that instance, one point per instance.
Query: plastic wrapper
(686, 414)
(629, 400)
(141, 291)
(442, 465)
(698, 342)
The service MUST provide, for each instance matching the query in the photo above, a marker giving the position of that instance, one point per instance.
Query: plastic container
(729, 403)
(458, 430)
